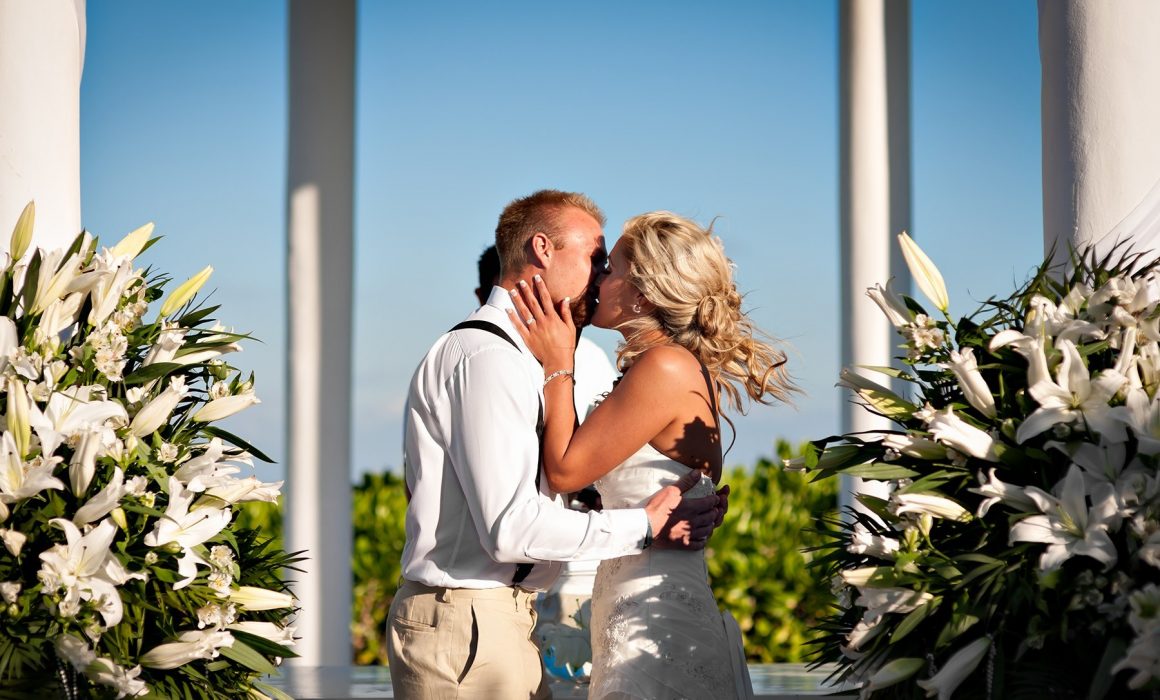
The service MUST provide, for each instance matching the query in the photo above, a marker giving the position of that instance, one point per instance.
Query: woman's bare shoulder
(670, 363)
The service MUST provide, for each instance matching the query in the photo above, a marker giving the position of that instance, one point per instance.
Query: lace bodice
(656, 629)
(640, 476)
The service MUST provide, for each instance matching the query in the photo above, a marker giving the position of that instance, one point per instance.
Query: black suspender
(522, 570)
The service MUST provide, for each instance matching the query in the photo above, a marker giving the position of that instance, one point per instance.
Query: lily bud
(924, 272)
(971, 381)
(956, 433)
(155, 413)
(956, 669)
(186, 291)
(191, 646)
(252, 598)
(225, 407)
(22, 233)
(130, 246)
(18, 416)
(118, 516)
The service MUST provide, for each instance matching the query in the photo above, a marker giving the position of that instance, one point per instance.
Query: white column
(320, 273)
(42, 51)
(874, 39)
(1101, 119)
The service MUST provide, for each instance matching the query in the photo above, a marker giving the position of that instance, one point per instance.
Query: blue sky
(726, 110)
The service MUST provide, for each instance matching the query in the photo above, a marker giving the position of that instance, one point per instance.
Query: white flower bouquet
(120, 572)
(1018, 553)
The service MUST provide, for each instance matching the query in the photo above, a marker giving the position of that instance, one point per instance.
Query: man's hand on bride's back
(685, 523)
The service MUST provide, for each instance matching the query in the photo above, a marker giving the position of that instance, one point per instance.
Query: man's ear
(542, 249)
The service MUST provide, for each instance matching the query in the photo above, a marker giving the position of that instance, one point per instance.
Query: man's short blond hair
(538, 212)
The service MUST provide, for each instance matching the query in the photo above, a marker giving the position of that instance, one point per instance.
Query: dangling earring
(636, 308)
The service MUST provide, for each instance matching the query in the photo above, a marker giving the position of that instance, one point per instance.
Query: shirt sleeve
(494, 403)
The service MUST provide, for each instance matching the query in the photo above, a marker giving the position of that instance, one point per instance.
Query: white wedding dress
(656, 629)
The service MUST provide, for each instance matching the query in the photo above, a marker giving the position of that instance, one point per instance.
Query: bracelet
(559, 373)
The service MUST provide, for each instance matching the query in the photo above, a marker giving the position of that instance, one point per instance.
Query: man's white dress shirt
(471, 459)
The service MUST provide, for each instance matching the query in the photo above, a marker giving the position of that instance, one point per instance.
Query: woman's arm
(639, 408)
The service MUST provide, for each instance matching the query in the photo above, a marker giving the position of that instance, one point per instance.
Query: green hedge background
(756, 564)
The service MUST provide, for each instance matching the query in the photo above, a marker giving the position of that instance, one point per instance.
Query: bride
(668, 289)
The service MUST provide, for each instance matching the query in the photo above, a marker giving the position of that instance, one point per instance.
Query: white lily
(997, 491)
(891, 304)
(18, 480)
(71, 412)
(9, 340)
(123, 680)
(962, 664)
(13, 541)
(105, 501)
(927, 504)
(1030, 347)
(79, 567)
(1073, 396)
(155, 413)
(862, 576)
(190, 646)
(267, 630)
(971, 381)
(167, 345)
(1142, 415)
(187, 529)
(880, 601)
(1066, 524)
(252, 598)
(55, 278)
(75, 651)
(247, 489)
(115, 275)
(10, 591)
(924, 272)
(59, 317)
(225, 407)
(863, 541)
(954, 432)
(1143, 657)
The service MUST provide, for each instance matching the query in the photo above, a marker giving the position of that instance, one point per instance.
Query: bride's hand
(547, 330)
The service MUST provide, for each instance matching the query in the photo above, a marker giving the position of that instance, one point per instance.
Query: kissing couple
(492, 441)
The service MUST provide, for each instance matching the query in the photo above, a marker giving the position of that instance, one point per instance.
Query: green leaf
(272, 691)
(960, 622)
(151, 372)
(881, 471)
(244, 654)
(1102, 678)
(263, 646)
(913, 618)
(236, 441)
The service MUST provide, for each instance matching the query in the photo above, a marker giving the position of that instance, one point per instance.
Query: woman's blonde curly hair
(681, 269)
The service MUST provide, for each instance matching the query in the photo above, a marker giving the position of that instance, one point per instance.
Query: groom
(482, 534)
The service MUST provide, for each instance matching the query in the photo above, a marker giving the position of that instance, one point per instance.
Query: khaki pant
(461, 643)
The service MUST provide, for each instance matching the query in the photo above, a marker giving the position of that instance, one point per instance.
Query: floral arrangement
(120, 572)
(1018, 551)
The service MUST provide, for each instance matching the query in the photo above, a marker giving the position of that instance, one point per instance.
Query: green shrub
(756, 564)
